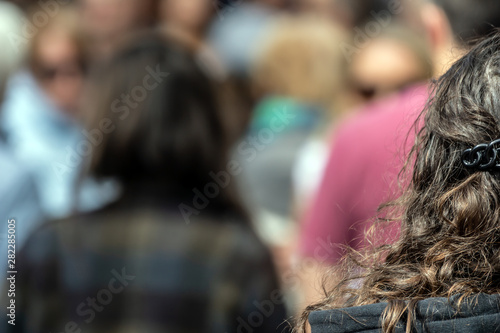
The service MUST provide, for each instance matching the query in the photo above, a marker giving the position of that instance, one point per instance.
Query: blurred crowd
(220, 152)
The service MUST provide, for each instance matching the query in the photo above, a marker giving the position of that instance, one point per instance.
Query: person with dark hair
(368, 150)
(176, 252)
(40, 113)
(441, 275)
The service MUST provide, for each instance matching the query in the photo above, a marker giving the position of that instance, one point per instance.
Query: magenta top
(366, 156)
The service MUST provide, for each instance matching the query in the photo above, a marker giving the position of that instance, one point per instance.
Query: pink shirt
(366, 156)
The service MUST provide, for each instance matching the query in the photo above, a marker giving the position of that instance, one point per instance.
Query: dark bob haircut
(154, 118)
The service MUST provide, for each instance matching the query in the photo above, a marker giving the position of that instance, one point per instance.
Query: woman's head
(450, 214)
(463, 112)
(58, 59)
(155, 119)
(450, 235)
(393, 60)
(301, 59)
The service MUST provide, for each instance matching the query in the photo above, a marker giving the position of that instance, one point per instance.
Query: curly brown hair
(450, 215)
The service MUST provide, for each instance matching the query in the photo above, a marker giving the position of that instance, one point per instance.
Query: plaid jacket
(138, 267)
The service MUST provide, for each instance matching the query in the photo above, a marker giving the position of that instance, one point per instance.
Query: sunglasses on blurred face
(49, 73)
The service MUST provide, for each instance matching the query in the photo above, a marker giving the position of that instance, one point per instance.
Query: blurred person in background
(58, 60)
(297, 71)
(108, 23)
(188, 22)
(298, 74)
(387, 50)
(367, 151)
(300, 69)
(40, 115)
(238, 28)
(176, 252)
(395, 57)
(392, 61)
(19, 198)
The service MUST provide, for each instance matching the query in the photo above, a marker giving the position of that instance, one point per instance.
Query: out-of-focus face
(58, 69)
(384, 66)
(191, 15)
(108, 18)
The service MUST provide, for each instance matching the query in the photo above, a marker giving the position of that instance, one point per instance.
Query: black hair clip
(482, 157)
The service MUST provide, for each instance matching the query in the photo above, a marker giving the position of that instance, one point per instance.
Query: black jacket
(434, 315)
